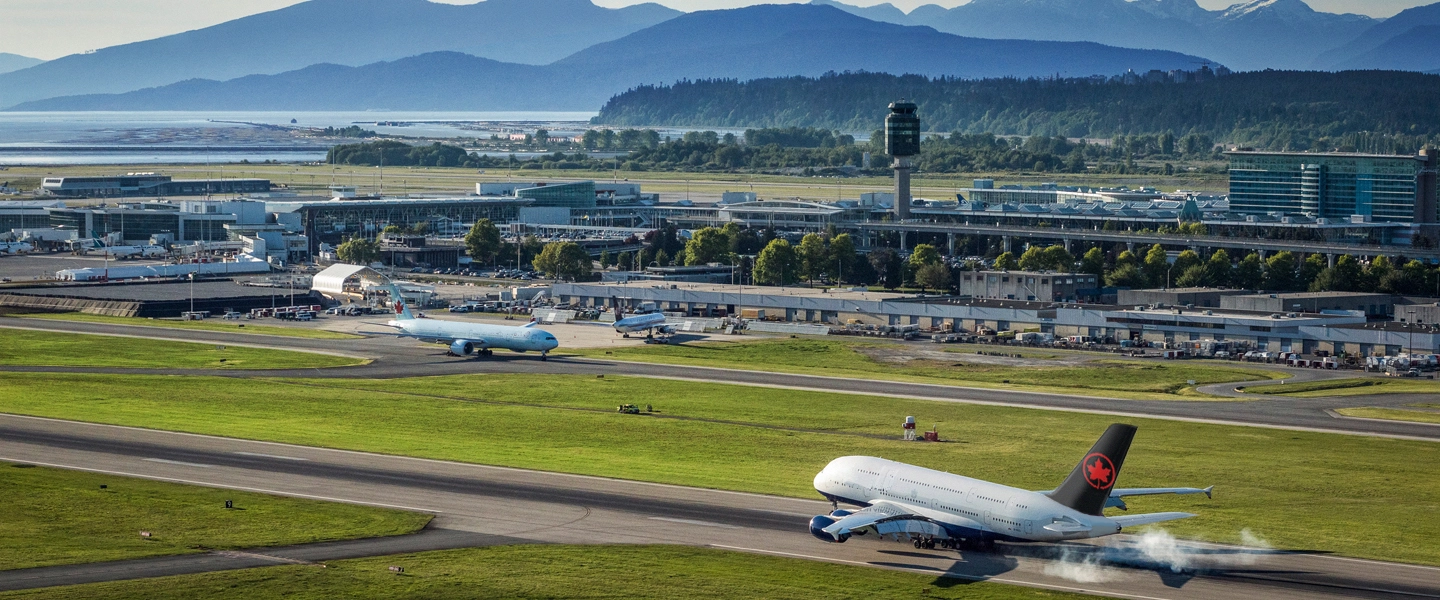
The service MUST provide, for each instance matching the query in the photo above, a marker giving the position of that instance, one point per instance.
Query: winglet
(1207, 492)
(533, 322)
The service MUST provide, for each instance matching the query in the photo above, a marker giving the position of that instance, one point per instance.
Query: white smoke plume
(1080, 566)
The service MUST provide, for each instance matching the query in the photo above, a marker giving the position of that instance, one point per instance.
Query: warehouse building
(1273, 331)
(1375, 306)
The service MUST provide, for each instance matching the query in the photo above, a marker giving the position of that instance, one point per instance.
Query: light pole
(192, 294)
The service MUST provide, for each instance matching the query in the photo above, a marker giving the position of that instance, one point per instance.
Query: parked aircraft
(933, 507)
(15, 247)
(468, 338)
(118, 252)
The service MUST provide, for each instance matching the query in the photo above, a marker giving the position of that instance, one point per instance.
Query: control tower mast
(902, 142)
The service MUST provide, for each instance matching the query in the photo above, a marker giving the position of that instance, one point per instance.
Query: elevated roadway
(522, 506)
(1431, 255)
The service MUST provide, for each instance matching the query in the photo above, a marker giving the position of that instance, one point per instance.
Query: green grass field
(1368, 386)
(1133, 379)
(1391, 414)
(207, 325)
(44, 348)
(544, 572)
(55, 517)
(1298, 489)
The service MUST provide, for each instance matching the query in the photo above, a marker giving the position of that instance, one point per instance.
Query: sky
(55, 28)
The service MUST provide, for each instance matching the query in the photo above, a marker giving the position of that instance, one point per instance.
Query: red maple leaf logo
(1098, 471)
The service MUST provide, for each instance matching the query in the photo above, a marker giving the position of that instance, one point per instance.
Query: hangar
(343, 281)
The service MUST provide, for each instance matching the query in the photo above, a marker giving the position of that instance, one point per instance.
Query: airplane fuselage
(956, 506)
(640, 323)
(482, 335)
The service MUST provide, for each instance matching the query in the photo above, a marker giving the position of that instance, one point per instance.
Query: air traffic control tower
(902, 141)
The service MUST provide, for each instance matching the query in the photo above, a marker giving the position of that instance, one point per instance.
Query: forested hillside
(1376, 111)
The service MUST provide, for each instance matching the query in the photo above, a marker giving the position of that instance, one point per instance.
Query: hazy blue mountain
(1418, 49)
(1365, 51)
(346, 32)
(15, 62)
(433, 81)
(1255, 34)
(746, 43)
(884, 13)
(807, 39)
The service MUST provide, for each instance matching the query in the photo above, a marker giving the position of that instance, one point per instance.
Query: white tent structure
(342, 280)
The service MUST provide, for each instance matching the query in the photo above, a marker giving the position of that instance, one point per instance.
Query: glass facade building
(1384, 188)
(580, 194)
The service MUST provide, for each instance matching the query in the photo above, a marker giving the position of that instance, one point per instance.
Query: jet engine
(462, 348)
(818, 525)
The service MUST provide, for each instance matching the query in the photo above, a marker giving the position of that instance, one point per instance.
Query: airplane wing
(885, 518)
(1138, 520)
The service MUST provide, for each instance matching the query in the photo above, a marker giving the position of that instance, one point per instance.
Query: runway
(535, 507)
(394, 358)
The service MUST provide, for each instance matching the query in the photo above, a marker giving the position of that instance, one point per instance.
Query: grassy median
(1392, 414)
(538, 572)
(1132, 379)
(55, 517)
(1368, 386)
(1307, 490)
(50, 349)
(244, 326)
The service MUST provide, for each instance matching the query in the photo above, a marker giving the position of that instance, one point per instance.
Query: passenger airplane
(927, 505)
(117, 252)
(15, 247)
(649, 323)
(467, 338)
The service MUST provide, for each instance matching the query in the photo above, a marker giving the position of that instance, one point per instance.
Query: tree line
(1366, 111)
(764, 258)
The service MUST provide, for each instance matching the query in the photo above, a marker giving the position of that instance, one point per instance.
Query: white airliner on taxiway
(651, 323)
(933, 507)
(467, 338)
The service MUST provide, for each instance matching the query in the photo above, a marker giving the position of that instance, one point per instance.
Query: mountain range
(747, 43)
(589, 51)
(15, 62)
(1252, 35)
(343, 32)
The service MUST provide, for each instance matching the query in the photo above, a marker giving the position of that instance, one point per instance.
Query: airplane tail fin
(402, 312)
(1088, 486)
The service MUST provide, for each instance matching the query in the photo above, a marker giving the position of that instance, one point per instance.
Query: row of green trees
(1372, 111)
(1281, 272)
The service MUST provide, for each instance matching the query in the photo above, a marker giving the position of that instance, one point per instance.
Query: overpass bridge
(1197, 242)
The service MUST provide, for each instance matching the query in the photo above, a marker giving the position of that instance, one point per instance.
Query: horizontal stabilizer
(1138, 520)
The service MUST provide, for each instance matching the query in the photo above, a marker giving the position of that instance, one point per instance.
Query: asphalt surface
(502, 505)
(226, 560)
(394, 358)
(516, 506)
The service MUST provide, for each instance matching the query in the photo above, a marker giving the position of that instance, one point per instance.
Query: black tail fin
(1088, 486)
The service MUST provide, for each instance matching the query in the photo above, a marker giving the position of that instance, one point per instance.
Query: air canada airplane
(468, 338)
(931, 507)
